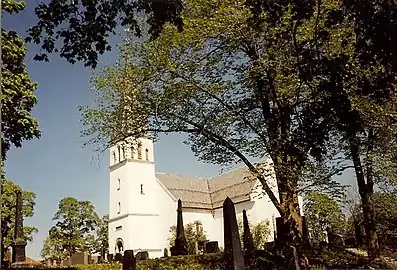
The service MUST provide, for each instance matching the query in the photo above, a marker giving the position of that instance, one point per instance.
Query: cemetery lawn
(319, 260)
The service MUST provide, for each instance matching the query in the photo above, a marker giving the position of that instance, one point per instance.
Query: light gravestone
(234, 259)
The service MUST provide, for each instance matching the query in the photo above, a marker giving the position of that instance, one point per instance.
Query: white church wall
(167, 209)
(208, 221)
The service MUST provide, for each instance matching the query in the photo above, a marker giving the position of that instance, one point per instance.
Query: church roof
(209, 193)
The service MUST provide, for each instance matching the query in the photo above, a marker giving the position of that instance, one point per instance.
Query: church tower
(133, 210)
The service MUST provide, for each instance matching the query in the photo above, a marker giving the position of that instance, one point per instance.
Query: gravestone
(211, 247)
(19, 244)
(248, 242)
(165, 255)
(305, 232)
(79, 258)
(358, 234)
(281, 233)
(129, 261)
(234, 259)
(180, 246)
(110, 258)
(142, 255)
(118, 257)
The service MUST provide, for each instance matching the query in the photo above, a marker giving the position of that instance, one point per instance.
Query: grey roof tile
(209, 193)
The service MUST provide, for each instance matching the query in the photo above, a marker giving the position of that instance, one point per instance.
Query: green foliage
(75, 221)
(18, 90)
(322, 212)
(52, 248)
(194, 232)
(386, 218)
(101, 238)
(260, 233)
(8, 204)
(89, 24)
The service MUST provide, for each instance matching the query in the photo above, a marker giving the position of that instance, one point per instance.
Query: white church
(143, 202)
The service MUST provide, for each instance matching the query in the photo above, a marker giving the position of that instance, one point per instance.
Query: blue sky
(57, 165)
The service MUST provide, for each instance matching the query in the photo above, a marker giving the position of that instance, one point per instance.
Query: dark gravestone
(142, 255)
(305, 232)
(212, 247)
(165, 253)
(129, 261)
(180, 246)
(110, 257)
(248, 242)
(19, 244)
(281, 233)
(234, 259)
(358, 234)
(118, 257)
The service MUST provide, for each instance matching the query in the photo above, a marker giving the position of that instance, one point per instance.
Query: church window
(114, 157)
(147, 154)
(118, 184)
(118, 150)
(142, 190)
(123, 150)
(139, 150)
(119, 208)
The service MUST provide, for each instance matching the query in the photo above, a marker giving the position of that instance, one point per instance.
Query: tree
(100, 241)
(75, 221)
(8, 206)
(52, 248)
(322, 212)
(260, 233)
(194, 233)
(386, 218)
(17, 88)
(89, 24)
(242, 82)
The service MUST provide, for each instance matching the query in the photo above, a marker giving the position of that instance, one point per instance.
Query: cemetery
(237, 254)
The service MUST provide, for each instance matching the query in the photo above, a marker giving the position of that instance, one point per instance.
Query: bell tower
(133, 208)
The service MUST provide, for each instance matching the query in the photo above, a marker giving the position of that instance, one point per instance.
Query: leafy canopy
(8, 205)
(85, 26)
(18, 91)
(322, 212)
(75, 221)
(194, 232)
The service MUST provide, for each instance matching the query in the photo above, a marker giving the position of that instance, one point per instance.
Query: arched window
(114, 158)
(139, 150)
(119, 208)
(118, 184)
(142, 189)
(147, 154)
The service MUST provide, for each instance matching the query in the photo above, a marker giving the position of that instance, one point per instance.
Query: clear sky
(57, 165)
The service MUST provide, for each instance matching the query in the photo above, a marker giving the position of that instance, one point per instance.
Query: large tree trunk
(292, 222)
(365, 191)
